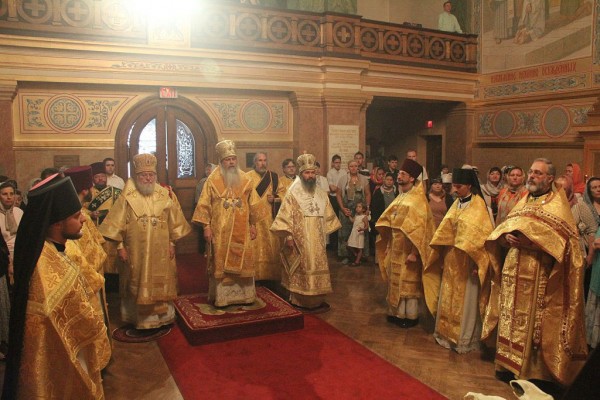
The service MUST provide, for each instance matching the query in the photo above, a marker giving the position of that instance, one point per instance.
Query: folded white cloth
(480, 396)
(522, 389)
(525, 390)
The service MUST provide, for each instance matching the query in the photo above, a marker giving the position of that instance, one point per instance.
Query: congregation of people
(505, 263)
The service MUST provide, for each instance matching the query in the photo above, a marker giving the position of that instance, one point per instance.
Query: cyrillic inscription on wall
(343, 140)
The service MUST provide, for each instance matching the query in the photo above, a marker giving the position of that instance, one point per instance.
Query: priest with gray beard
(146, 221)
(228, 210)
(304, 220)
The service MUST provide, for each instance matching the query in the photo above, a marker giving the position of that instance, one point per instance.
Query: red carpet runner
(317, 362)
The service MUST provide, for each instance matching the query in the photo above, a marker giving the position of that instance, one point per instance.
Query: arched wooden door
(181, 136)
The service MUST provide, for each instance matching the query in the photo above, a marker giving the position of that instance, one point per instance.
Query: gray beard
(146, 189)
(261, 171)
(537, 189)
(309, 186)
(231, 176)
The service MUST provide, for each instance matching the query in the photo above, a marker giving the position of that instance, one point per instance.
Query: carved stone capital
(8, 90)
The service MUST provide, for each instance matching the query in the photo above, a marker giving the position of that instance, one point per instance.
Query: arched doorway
(183, 139)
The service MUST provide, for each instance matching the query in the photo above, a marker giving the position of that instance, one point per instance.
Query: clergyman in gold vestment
(266, 246)
(58, 340)
(289, 173)
(229, 209)
(456, 278)
(87, 252)
(305, 219)
(538, 311)
(405, 229)
(101, 199)
(146, 222)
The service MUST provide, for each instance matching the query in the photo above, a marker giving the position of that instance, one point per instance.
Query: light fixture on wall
(429, 124)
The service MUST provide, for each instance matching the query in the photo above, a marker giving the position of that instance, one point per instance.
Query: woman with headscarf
(592, 275)
(491, 189)
(584, 219)
(574, 171)
(376, 179)
(592, 197)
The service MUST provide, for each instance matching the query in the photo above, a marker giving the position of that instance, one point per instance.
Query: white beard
(146, 189)
(231, 176)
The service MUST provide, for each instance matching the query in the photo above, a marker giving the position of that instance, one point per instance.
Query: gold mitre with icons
(306, 161)
(144, 163)
(225, 148)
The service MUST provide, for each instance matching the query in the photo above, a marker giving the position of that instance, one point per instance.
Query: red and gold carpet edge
(276, 315)
(316, 362)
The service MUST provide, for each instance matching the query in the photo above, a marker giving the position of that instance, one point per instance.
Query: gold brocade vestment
(457, 249)
(229, 213)
(307, 219)
(88, 254)
(266, 245)
(285, 182)
(406, 223)
(146, 225)
(102, 201)
(63, 332)
(540, 317)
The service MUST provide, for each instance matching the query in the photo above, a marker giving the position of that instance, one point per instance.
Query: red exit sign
(168, 93)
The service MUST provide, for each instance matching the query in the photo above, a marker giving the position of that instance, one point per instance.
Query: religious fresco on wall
(522, 33)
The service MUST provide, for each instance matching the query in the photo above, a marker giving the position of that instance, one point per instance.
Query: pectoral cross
(313, 208)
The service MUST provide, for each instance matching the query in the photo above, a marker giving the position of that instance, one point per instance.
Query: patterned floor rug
(129, 334)
(202, 323)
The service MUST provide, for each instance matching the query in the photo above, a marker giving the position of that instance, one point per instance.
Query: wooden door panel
(168, 117)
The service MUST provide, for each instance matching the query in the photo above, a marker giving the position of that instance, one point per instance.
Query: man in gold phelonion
(456, 279)
(538, 311)
(58, 339)
(98, 202)
(305, 218)
(266, 245)
(87, 252)
(229, 209)
(146, 222)
(405, 230)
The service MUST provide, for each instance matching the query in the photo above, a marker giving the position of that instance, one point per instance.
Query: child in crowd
(356, 241)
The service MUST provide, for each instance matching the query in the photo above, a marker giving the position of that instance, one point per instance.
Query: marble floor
(138, 371)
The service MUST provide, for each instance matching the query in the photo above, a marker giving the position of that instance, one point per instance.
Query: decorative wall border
(555, 84)
(550, 122)
(69, 112)
(250, 115)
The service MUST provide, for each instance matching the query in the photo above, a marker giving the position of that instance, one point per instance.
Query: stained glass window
(186, 157)
(147, 142)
